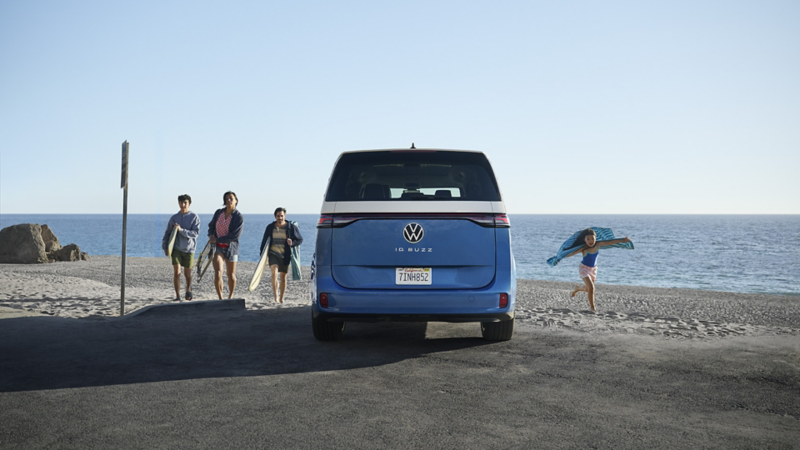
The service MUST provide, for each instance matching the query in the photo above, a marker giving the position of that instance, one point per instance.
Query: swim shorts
(587, 271)
(275, 261)
(180, 258)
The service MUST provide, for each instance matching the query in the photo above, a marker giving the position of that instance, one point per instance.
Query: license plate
(413, 276)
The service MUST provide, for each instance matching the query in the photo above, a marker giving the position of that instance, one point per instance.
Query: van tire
(327, 331)
(497, 331)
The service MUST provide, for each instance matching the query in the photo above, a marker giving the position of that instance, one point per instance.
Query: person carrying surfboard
(586, 242)
(224, 232)
(280, 241)
(183, 227)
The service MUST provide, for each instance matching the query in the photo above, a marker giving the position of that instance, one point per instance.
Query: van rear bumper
(322, 314)
(414, 305)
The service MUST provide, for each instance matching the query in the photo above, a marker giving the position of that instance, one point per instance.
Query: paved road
(244, 379)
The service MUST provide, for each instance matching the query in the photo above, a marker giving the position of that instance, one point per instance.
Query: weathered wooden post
(124, 186)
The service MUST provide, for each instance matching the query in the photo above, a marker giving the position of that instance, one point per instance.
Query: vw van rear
(413, 235)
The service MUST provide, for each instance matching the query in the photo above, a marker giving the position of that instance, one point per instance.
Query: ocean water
(734, 253)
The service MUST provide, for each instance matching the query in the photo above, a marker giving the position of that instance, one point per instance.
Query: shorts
(180, 258)
(587, 271)
(222, 251)
(275, 261)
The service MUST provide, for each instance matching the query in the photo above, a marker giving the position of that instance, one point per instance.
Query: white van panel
(394, 206)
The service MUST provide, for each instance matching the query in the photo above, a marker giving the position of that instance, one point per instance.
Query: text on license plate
(413, 275)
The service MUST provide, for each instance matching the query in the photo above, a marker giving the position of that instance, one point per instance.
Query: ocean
(733, 253)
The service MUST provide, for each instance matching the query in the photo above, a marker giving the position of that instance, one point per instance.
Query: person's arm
(194, 229)
(267, 236)
(578, 250)
(613, 241)
(298, 238)
(212, 234)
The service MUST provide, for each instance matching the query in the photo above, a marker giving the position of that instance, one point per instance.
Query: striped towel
(569, 246)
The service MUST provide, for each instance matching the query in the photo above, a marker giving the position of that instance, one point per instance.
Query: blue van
(413, 235)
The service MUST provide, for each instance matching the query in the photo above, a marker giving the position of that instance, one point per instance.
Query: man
(187, 225)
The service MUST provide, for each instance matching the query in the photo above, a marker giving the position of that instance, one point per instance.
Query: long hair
(580, 241)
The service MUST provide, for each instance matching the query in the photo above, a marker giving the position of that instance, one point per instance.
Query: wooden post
(124, 186)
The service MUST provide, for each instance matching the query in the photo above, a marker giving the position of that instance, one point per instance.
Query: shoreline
(91, 290)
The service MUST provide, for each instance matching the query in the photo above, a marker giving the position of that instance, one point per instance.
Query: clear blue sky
(583, 107)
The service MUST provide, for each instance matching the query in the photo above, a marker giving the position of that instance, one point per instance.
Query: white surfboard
(262, 264)
(171, 242)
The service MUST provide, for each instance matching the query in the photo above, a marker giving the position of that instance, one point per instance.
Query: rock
(22, 244)
(51, 243)
(69, 253)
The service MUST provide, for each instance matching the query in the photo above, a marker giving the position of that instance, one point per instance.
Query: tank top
(590, 259)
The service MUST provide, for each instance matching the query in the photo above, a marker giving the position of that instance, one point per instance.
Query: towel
(569, 246)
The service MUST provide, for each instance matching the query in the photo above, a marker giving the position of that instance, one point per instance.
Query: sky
(583, 107)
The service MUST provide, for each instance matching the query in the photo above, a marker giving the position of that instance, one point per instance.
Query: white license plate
(413, 276)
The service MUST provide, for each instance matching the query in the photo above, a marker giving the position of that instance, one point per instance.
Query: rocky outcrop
(22, 244)
(30, 243)
(51, 243)
(69, 253)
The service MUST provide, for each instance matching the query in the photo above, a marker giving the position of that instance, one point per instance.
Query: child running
(588, 266)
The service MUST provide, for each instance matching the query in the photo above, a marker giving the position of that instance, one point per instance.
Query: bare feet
(575, 291)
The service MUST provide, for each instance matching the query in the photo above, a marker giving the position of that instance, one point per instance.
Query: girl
(588, 246)
(224, 232)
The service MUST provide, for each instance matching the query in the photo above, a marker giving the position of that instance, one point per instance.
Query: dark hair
(581, 239)
(226, 194)
(183, 197)
(279, 209)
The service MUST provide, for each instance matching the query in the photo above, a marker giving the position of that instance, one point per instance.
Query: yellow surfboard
(171, 242)
(262, 264)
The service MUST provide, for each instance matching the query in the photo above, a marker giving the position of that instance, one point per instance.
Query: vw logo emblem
(413, 232)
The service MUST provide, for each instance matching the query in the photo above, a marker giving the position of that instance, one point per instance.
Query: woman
(282, 236)
(224, 231)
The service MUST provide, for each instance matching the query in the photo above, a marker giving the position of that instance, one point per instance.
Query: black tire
(498, 331)
(326, 331)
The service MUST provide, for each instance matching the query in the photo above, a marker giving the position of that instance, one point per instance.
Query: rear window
(403, 176)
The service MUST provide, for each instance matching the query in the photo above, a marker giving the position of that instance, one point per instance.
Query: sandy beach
(92, 290)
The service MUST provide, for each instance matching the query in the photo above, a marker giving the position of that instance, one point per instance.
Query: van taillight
(323, 300)
(501, 221)
(503, 300)
(325, 221)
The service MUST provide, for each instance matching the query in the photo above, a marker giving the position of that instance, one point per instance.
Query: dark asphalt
(200, 377)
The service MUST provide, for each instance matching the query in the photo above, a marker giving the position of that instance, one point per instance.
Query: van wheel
(497, 331)
(327, 331)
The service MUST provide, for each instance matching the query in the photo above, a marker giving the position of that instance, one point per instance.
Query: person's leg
(217, 261)
(590, 291)
(578, 289)
(274, 270)
(176, 280)
(231, 267)
(283, 285)
(187, 273)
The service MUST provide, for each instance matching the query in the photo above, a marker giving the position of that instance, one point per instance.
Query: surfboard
(208, 263)
(171, 242)
(262, 264)
(202, 256)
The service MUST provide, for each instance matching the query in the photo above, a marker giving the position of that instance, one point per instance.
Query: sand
(91, 289)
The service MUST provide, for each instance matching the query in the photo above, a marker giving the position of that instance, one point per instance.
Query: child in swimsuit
(588, 266)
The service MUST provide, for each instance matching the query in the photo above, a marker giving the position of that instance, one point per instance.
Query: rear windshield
(396, 176)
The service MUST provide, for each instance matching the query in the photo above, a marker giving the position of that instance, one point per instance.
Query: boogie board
(262, 264)
(171, 242)
(202, 256)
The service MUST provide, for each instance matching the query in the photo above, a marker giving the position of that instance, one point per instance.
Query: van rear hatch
(412, 220)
